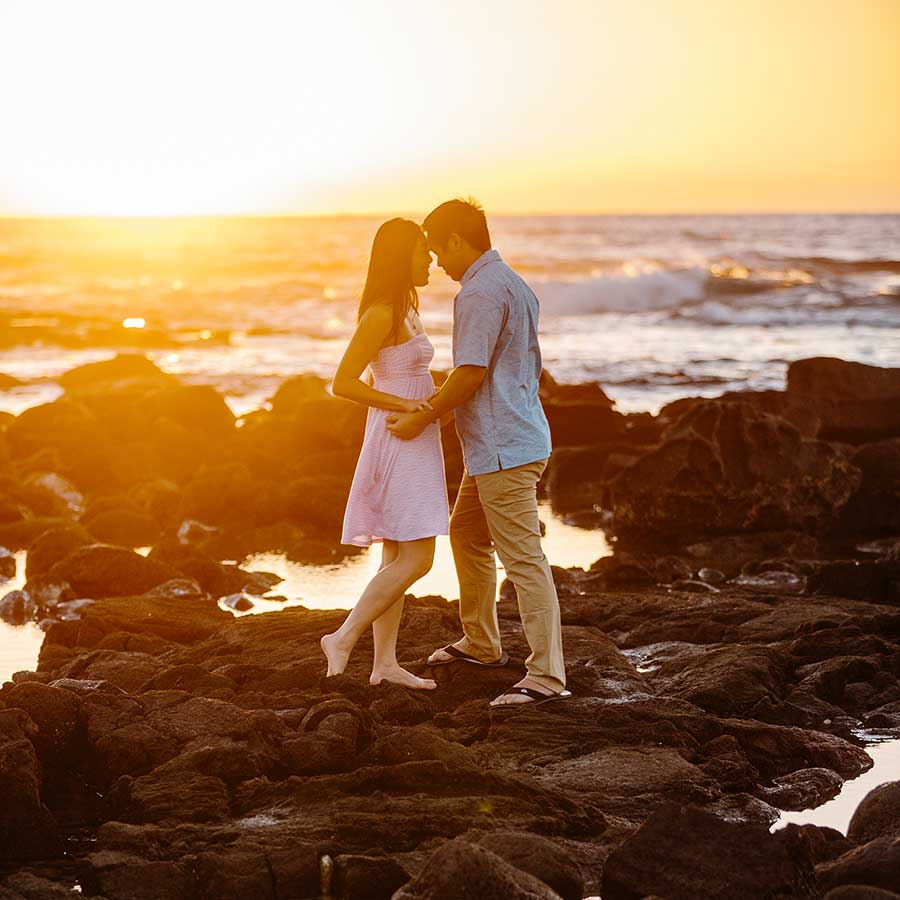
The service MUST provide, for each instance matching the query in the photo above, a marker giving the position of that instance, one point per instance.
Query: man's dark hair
(463, 217)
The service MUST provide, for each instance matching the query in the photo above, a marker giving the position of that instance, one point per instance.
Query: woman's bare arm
(371, 333)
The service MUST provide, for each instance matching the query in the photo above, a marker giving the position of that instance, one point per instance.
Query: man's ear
(454, 242)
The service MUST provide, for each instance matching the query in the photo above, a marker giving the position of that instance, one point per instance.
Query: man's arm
(478, 320)
(462, 383)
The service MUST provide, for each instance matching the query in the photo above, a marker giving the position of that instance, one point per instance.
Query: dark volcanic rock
(225, 731)
(540, 857)
(875, 505)
(121, 367)
(55, 713)
(682, 853)
(726, 679)
(125, 527)
(855, 402)
(803, 789)
(104, 570)
(726, 468)
(197, 407)
(577, 477)
(53, 546)
(877, 580)
(27, 829)
(375, 877)
(876, 863)
(878, 815)
(459, 870)
(860, 892)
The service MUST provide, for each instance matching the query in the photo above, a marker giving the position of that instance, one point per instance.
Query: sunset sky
(341, 106)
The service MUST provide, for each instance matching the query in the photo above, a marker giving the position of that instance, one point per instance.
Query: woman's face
(421, 262)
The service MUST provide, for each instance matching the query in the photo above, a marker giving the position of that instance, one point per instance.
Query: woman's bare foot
(399, 675)
(336, 655)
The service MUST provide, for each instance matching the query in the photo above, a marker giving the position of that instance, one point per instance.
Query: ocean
(653, 307)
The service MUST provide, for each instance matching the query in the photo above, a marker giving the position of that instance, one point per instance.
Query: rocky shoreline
(747, 624)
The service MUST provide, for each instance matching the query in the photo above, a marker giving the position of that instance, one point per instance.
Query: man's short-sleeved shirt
(495, 325)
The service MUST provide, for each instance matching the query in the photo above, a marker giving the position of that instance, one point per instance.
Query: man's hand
(407, 426)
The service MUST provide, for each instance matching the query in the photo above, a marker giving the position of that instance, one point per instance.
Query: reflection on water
(837, 812)
(324, 587)
(339, 586)
(19, 646)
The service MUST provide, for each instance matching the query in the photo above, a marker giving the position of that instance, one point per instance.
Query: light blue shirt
(495, 325)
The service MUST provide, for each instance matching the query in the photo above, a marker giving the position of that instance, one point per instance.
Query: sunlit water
(654, 307)
(328, 587)
(838, 811)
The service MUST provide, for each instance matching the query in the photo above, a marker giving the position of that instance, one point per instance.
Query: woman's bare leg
(384, 631)
(387, 587)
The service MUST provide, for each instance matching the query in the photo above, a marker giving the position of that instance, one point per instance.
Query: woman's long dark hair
(389, 279)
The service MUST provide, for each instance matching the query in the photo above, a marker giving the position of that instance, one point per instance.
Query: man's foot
(513, 698)
(399, 675)
(442, 656)
(336, 655)
(453, 653)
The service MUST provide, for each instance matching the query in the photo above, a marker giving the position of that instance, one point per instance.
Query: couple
(399, 494)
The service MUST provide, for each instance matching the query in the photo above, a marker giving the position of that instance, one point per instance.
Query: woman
(399, 494)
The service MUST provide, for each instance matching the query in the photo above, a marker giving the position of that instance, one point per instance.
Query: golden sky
(338, 106)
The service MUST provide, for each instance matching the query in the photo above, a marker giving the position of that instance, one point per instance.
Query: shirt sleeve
(477, 322)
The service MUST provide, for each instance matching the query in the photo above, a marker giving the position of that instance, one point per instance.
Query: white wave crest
(649, 290)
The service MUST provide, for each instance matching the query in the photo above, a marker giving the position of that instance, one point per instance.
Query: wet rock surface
(720, 662)
(208, 738)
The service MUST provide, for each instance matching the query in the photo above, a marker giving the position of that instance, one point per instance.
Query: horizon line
(500, 214)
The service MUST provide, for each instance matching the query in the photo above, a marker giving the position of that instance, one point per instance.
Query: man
(493, 390)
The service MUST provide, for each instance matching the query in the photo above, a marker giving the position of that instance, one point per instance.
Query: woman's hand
(414, 406)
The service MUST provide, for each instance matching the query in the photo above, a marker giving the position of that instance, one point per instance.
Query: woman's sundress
(399, 492)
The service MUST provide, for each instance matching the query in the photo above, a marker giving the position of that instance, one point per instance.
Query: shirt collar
(480, 263)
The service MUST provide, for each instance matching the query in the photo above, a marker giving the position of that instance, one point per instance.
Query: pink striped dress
(399, 492)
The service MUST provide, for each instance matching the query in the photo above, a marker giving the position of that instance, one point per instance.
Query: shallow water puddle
(325, 587)
(837, 812)
(339, 586)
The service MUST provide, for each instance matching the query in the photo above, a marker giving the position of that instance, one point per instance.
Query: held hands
(412, 406)
(408, 425)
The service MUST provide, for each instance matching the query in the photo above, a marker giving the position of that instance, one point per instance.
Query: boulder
(875, 505)
(197, 407)
(54, 545)
(104, 570)
(856, 403)
(372, 877)
(875, 864)
(27, 829)
(180, 795)
(55, 713)
(121, 367)
(860, 892)
(682, 853)
(803, 789)
(728, 679)
(878, 814)
(125, 527)
(727, 468)
(540, 857)
(459, 869)
(874, 580)
(577, 477)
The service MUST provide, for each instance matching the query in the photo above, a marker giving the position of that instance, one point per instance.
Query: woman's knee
(417, 558)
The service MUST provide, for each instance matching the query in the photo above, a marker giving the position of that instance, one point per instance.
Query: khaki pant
(499, 511)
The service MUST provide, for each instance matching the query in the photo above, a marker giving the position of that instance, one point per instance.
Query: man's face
(447, 255)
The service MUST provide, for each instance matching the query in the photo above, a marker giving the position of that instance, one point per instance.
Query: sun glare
(205, 108)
